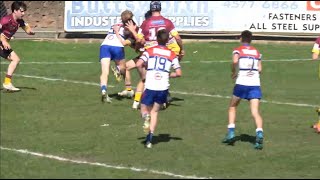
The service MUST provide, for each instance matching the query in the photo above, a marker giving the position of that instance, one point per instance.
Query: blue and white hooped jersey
(159, 60)
(111, 39)
(248, 74)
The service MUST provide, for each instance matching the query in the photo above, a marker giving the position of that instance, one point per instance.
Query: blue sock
(149, 137)
(103, 87)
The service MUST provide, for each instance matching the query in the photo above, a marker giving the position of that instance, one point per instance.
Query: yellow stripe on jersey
(174, 33)
(174, 47)
(316, 49)
(26, 28)
(140, 36)
(127, 42)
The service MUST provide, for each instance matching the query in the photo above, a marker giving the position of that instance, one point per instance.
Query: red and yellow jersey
(149, 28)
(316, 46)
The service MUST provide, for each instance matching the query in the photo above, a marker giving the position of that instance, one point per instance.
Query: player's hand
(6, 45)
(31, 33)
(233, 75)
(131, 26)
(181, 54)
(116, 28)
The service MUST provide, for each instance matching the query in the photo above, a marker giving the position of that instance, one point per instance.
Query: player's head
(155, 6)
(148, 14)
(162, 37)
(125, 15)
(246, 36)
(18, 7)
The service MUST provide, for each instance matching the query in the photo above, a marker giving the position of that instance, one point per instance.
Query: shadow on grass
(246, 138)
(21, 88)
(117, 97)
(243, 138)
(160, 138)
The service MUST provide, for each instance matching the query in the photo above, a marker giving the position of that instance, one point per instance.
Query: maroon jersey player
(8, 27)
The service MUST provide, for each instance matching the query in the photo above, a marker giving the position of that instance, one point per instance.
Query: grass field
(56, 127)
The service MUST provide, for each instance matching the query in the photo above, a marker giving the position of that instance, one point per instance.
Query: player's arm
(315, 51)
(3, 38)
(234, 64)
(132, 28)
(123, 42)
(26, 27)
(176, 35)
(177, 69)
(260, 64)
(141, 63)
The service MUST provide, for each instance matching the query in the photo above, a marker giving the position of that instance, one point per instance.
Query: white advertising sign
(209, 16)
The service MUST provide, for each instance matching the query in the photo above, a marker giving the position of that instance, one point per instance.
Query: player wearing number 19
(148, 31)
(248, 60)
(158, 61)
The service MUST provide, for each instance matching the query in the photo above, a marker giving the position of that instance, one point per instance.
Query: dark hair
(246, 36)
(126, 21)
(16, 5)
(155, 6)
(148, 14)
(162, 37)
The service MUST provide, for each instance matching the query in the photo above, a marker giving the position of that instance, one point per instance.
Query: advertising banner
(201, 16)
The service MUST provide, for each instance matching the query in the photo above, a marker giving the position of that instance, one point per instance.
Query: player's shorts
(174, 47)
(247, 92)
(149, 97)
(4, 52)
(113, 52)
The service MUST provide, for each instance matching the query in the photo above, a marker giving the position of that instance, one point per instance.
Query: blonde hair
(125, 15)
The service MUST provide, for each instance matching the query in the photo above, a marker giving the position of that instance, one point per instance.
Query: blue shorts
(113, 52)
(149, 97)
(247, 92)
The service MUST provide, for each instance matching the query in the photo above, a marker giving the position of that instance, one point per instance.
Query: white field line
(23, 151)
(184, 62)
(64, 80)
(176, 92)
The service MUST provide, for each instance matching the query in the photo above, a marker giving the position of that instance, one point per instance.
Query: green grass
(64, 119)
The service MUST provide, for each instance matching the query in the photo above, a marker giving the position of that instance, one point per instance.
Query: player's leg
(118, 55)
(254, 96)
(128, 92)
(14, 59)
(232, 111)
(254, 106)
(138, 94)
(105, 58)
(139, 91)
(105, 66)
(146, 106)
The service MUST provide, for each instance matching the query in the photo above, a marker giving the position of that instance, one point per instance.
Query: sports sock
(104, 88)
(7, 79)
(149, 137)
(128, 87)
(137, 96)
(231, 127)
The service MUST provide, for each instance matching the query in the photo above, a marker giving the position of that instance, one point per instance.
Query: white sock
(259, 129)
(231, 126)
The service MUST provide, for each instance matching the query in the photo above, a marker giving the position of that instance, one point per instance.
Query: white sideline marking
(70, 62)
(64, 80)
(272, 60)
(222, 61)
(23, 151)
(177, 92)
